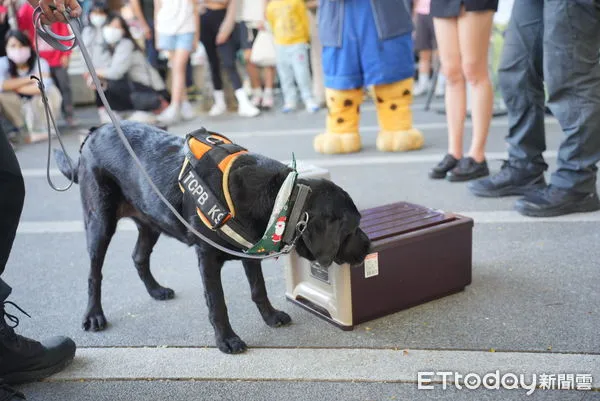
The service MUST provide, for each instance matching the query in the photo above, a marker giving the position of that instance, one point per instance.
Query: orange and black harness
(211, 152)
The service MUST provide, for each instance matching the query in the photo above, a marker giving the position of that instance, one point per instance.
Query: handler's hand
(56, 14)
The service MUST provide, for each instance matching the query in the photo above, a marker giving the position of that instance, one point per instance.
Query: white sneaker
(169, 115)
(256, 99)
(245, 108)
(142, 117)
(440, 90)
(105, 117)
(187, 111)
(440, 87)
(420, 88)
(217, 109)
(288, 108)
(267, 101)
(312, 107)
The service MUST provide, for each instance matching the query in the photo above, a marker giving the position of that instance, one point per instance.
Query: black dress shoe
(553, 201)
(10, 394)
(25, 360)
(442, 168)
(512, 179)
(468, 169)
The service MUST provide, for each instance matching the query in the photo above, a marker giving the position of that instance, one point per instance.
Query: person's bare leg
(446, 32)
(178, 91)
(422, 84)
(254, 74)
(269, 78)
(474, 31)
(425, 63)
(253, 70)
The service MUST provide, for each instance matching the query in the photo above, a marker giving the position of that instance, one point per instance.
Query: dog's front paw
(232, 345)
(277, 319)
(94, 320)
(162, 293)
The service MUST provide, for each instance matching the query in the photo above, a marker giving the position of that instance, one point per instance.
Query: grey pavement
(532, 306)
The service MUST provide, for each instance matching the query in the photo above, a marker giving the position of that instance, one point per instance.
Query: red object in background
(47, 52)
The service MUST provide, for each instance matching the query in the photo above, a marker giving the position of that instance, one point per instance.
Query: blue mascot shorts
(363, 59)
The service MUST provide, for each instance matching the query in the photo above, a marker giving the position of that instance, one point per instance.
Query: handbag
(143, 98)
(263, 50)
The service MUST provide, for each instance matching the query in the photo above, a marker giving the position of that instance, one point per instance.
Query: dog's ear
(322, 238)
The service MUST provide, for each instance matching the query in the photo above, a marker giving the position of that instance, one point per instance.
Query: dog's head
(332, 233)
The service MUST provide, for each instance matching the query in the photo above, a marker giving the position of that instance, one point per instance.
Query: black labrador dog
(112, 187)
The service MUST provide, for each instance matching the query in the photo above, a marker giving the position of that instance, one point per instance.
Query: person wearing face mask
(127, 71)
(20, 97)
(57, 59)
(92, 34)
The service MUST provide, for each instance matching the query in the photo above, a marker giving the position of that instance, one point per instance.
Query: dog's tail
(68, 170)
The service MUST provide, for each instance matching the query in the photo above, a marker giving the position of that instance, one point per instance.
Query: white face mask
(18, 55)
(97, 20)
(112, 35)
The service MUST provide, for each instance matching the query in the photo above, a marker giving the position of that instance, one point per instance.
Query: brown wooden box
(419, 254)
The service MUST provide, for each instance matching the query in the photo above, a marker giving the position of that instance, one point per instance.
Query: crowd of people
(128, 54)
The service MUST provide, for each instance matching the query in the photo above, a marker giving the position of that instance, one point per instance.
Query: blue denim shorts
(182, 41)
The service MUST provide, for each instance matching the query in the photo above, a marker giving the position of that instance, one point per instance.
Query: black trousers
(225, 53)
(12, 196)
(117, 94)
(61, 78)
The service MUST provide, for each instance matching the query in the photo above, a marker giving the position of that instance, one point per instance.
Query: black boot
(10, 394)
(553, 201)
(512, 179)
(25, 360)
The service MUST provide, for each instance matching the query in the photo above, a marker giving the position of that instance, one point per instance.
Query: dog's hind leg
(147, 238)
(100, 225)
(210, 263)
(270, 315)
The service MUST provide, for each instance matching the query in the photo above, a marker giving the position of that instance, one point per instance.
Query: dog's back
(109, 177)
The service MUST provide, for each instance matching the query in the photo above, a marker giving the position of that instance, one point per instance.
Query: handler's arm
(228, 23)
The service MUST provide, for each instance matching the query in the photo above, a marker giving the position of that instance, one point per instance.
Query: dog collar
(208, 151)
(288, 218)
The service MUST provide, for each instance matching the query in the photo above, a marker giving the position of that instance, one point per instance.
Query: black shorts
(451, 8)
(424, 33)
(247, 35)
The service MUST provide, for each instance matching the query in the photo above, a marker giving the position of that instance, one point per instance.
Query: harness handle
(53, 40)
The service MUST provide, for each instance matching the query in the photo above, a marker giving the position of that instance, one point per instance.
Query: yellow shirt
(289, 21)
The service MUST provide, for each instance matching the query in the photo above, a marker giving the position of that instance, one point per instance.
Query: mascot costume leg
(367, 43)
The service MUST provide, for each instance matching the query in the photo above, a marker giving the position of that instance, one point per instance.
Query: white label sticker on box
(372, 265)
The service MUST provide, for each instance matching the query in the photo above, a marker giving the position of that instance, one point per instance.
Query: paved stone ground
(533, 300)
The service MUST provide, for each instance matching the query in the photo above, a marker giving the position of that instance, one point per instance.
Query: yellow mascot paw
(329, 143)
(400, 141)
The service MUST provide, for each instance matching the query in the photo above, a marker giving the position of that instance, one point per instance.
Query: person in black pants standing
(551, 42)
(22, 359)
